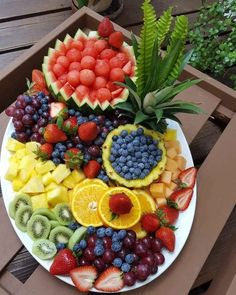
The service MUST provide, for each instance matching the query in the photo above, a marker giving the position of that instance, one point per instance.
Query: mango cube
(175, 174)
(34, 186)
(11, 171)
(14, 145)
(171, 165)
(170, 134)
(47, 178)
(175, 144)
(171, 152)
(51, 186)
(60, 173)
(166, 177)
(168, 192)
(57, 195)
(78, 175)
(44, 167)
(157, 190)
(173, 186)
(69, 182)
(17, 184)
(32, 146)
(39, 201)
(181, 162)
(161, 202)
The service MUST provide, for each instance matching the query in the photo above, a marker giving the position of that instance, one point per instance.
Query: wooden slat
(10, 283)
(3, 124)
(14, 9)
(7, 58)
(232, 287)
(214, 205)
(3, 292)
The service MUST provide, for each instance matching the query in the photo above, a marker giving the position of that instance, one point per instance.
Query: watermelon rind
(80, 34)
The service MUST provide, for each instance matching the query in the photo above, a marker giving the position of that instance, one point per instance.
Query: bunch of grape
(30, 114)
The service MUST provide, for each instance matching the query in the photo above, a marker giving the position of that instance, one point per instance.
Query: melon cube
(78, 175)
(34, 186)
(173, 186)
(47, 178)
(171, 152)
(168, 192)
(161, 202)
(166, 177)
(175, 144)
(181, 162)
(32, 146)
(171, 165)
(170, 134)
(69, 182)
(175, 174)
(51, 186)
(57, 195)
(157, 190)
(60, 173)
(14, 145)
(39, 201)
(17, 184)
(11, 171)
(44, 167)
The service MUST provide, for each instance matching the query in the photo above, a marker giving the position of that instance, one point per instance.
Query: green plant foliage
(214, 38)
(163, 26)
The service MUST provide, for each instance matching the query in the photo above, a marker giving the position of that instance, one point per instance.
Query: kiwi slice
(60, 234)
(63, 213)
(44, 249)
(54, 223)
(38, 227)
(45, 212)
(17, 202)
(77, 236)
(23, 215)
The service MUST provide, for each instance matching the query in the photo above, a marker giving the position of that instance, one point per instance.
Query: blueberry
(13, 135)
(123, 146)
(128, 176)
(136, 143)
(27, 99)
(120, 151)
(159, 152)
(131, 170)
(56, 161)
(87, 157)
(116, 246)
(122, 159)
(110, 128)
(99, 242)
(28, 131)
(109, 232)
(130, 164)
(99, 141)
(140, 131)
(62, 154)
(146, 172)
(76, 247)
(99, 250)
(44, 101)
(77, 114)
(118, 169)
(99, 160)
(60, 246)
(122, 234)
(128, 138)
(142, 175)
(104, 135)
(124, 133)
(141, 165)
(71, 112)
(119, 140)
(117, 262)
(115, 237)
(137, 171)
(108, 123)
(114, 138)
(80, 146)
(125, 169)
(91, 117)
(83, 244)
(112, 158)
(149, 139)
(40, 112)
(128, 158)
(133, 133)
(101, 232)
(122, 174)
(125, 267)
(135, 165)
(147, 165)
(44, 107)
(138, 154)
(130, 148)
(124, 153)
(151, 147)
(80, 120)
(105, 178)
(91, 230)
(62, 148)
(73, 225)
(35, 117)
(69, 145)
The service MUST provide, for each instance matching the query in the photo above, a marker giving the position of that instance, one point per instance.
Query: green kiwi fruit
(54, 223)
(60, 234)
(77, 236)
(44, 249)
(63, 213)
(45, 212)
(19, 200)
(23, 215)
(38, 227)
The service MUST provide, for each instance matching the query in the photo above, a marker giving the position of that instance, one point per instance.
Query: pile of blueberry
(134, 155)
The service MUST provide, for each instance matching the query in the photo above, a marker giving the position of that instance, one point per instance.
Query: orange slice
(120, 221)
(84, 204)
(88, 181)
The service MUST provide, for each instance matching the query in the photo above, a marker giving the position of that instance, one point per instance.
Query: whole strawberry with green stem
(53, 134)
(45, 151)
(73, 158)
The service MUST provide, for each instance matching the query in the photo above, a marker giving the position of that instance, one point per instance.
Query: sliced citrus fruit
(146, 201)
(88, 181)
(140, 232)
(84, 204)
(121, 221)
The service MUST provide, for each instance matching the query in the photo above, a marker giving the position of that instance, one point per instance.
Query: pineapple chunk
(175, 174)
(166, 177)
(171, 152)
(58, 195)
(161, 202)
(20, 154)
(175, 144)
(78, 175)
(39, 201)
(27, 162)
(44, 167)
(51, 186)
(171, 134)
(17, 184)
(32, 146)
(70, 195)
(168, 192)
(173, 186)
(171, 165)
(11, 171)
(69, 182)
(157, 190)
(60, 173)
(24, 175)
(47, 178)
(181, 162)
(14, 145)
(34, 186)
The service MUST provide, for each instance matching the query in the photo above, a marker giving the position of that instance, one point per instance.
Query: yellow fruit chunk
(88, 181)
(32, 146)
(39, 201)
(20, 154)
(70, 195)
(166, 177)
(181, 162)
(57, 195)
(175, 174)
(140, 232)
(121, 221)
(170, 134)
(171, 165)
(14, 145)
(173, 186)
(84, 204)
(34, 186)
(60, 173)
(11, 171)
(146, 201)
(27, 162)
(24, 175)
(47, 178)
(69, 182)
(78, 175)
(44, 167)
(157, 190)
(168, 192)
(51, 186)
(175, 144)
(171, 152)
(17, 184)
(161, 202)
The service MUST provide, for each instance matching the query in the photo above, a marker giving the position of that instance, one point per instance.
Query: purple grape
(18, 126)
(29, 110)
(129, 278)
(142, 272)
(19, 105)
(42, 122)
(160, 259)
(132, 234)
(94, 151)
(92, 241)
(129, 242)
(27, 120)
(89, 254)
(10, 111)
(149, 259)
(154, 269)
(108, 256)
(140, 249)
(107, 242)
(35, 128)
(136, 259)
(116, 123)
(156, 245)
(99, 264)
(101, 119)
(36, 103)
(147, 241)
(83, 262)
(76, 140)
(36, 137)
(19, 113)
(122, 253)
(22, 137)
(105, 130)
(45, 115)
(14, 120)
(42, 140)
(20, 98)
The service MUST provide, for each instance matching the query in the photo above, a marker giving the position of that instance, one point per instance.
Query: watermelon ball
(77, 45)
(93, 95)
(82, 91)
(58, 70)
(107, 54)
(115, 62)
(64, 61)
(102, 68)
(100, 45)
(90, 51)
(73, 54)
(123, 58)
(87, 77)
(88, 62)
(117, 74)
(73, 78)
(89, 43)
(100, 82)
(75, 66)
(103, 94)
(63, 79)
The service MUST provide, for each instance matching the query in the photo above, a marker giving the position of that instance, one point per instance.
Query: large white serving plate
(183, 224)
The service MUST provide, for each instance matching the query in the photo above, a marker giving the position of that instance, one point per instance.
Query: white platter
(184, 222)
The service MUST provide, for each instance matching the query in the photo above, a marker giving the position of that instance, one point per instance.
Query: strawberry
(167, 215)
(187, 177)
(116, 39)
(92, 169)
(70, 125)
(120, 204)
(88, 131)
(167, 236)
(58, 109)
(63, 263)
(105, 28)
(127, 69)
(45, 151)
(52, 134)
(73, 158)
(83, 277)
(182, 198)
(39, 82)
(150, 222)
(110, 280)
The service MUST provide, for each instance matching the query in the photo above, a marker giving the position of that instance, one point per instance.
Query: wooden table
(21, 26)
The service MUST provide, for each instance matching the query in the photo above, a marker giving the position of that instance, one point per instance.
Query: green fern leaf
(147, 38)
(163, 26)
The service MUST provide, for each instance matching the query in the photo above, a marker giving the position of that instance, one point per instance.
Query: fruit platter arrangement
(97, 176)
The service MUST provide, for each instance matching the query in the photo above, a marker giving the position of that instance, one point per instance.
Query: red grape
(94, 151)
(42, 122)
(99, 264)
(147, 241)
(156, 245)
(136, 259)
(89, 254)
(140, 249)
(122, 253)
(36, 137)
(106, 240)
(160, 259)
(108, 256)
(83, 261)
(129, 242)
(20, 98)
(154, 269)
(19, 105)
(92, 241)
(18, 126)
(18, 114)
(22, 137)
(36, 103)
(27, 120)
(35, 128)
(142, 272)
(129, 278)
(29, 110)
(10, 111)
(149, 259)
(131, 233)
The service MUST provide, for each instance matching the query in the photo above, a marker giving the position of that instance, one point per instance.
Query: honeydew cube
(34, 186)
(60, 173)
(170, 134)
(17, 184)
(171, 165)
(39, 201)
(161, 202)
(69, 182)
(14, 145)
(175, 144)
(173, 186)
(57, 195)
(44, 167)
(166, 177)
(171, 152)
(181, 162)
(175, 174)
(51, 186)
(168, 192)
(78, 175)
(47, 178)
(32, 146)
(11, 171)
(157, 190)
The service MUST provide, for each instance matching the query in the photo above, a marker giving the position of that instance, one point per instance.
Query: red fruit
(64, 61)
(63, 262)
(102, 68)
(110, 280)
(45, 151)
(115, 62)
(58, 70)
(105, 28)
(127, 69)
(117, 74)
(75, 66)
(100, 82)
(182, 198)
(150, 222)
(93, 95)
(116, 39)
(87, 77)
(92, 169)
(167, 215)
(116, 93)
(73, 78)
(112, 87)
(73, 158)
(100, 45)
(90, 51)
(89, 43)
(83, 277)
(63, 79)
(77, 45)
(38, 78)
(167, 236)
(120, 204)
(107, 54)
(188, 177)
(73, 54)
(103, 94)
(123, 58)
(88, 62)
(70, 125)
(88, 131)
(82, 91)
(58, 109)
(53, 134)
